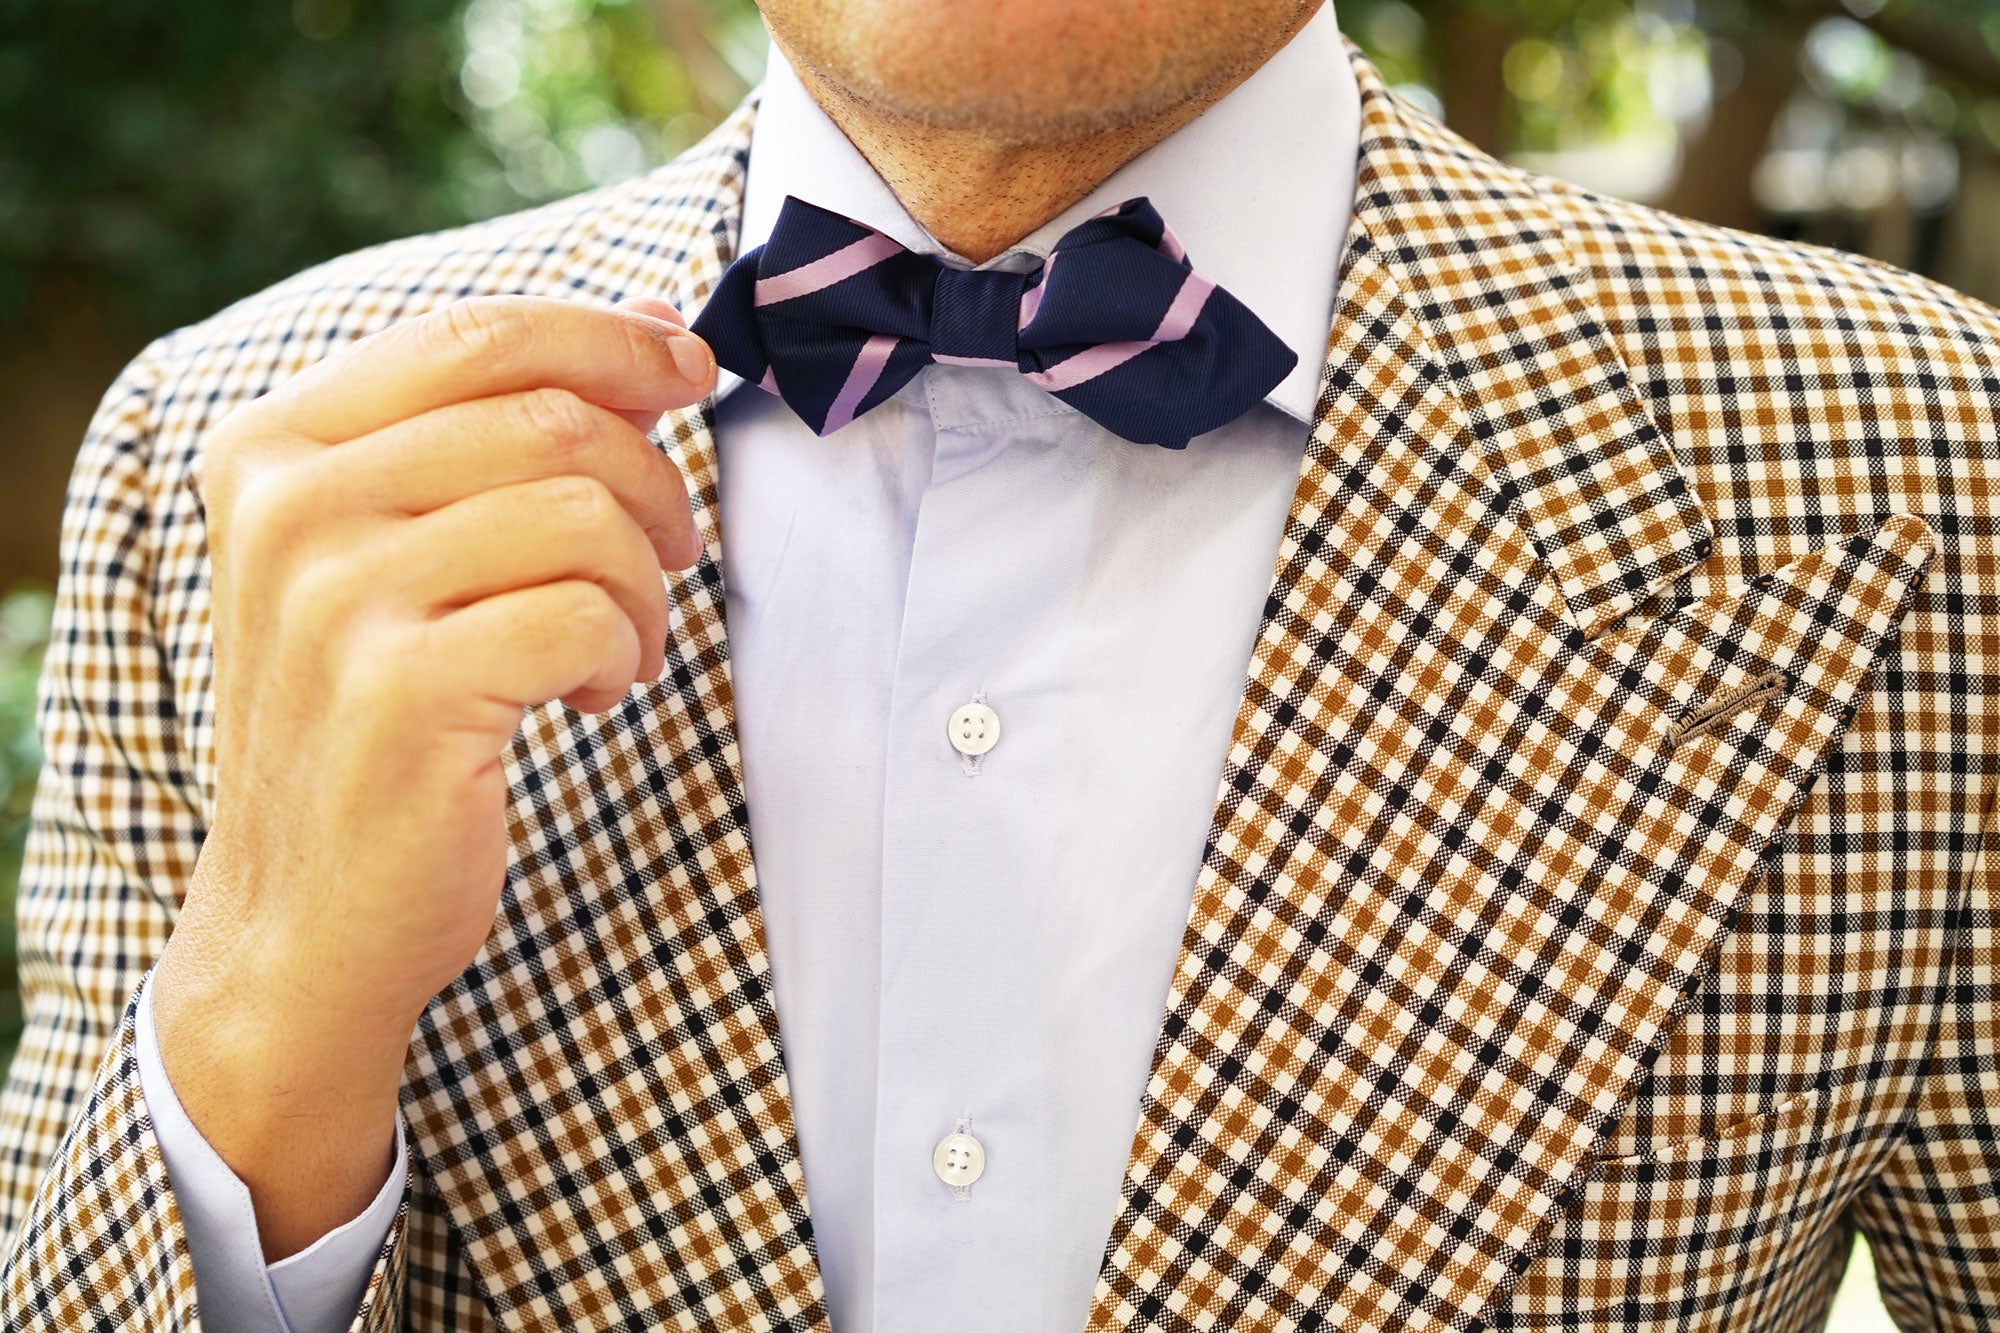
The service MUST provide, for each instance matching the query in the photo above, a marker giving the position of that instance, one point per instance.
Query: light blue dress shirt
(968, 943)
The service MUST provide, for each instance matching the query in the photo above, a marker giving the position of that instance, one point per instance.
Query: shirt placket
(977, 699)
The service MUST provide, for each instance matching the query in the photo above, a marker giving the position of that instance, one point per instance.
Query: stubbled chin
(1026, 69)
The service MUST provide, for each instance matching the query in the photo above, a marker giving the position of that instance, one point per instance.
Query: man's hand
(412, 541)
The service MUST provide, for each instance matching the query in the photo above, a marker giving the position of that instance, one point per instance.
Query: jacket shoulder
(1687, 291)
(1807, 394)
(1804, 390)
(631, 236)
(355, 293)
(146, 443)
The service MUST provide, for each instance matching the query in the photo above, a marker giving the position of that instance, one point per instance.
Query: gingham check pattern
(1500, 1006)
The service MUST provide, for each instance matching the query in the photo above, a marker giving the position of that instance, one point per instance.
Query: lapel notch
(1488, 272)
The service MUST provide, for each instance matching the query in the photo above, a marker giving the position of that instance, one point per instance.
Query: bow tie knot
(976, 317)
(835, 317)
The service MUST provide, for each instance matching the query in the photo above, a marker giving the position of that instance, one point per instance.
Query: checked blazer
(1594, 931)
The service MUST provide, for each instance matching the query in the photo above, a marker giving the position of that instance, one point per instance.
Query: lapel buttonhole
(1710, 716)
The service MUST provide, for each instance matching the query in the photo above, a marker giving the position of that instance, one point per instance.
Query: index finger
(483, 346)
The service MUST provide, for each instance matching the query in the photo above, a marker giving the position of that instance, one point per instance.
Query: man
(1589, 927)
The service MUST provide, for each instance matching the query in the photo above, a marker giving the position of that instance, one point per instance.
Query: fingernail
(652, 308)
(691, 357)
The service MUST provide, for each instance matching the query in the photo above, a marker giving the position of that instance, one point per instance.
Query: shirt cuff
(317, 1290)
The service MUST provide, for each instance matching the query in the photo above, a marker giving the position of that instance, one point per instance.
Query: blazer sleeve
(1932, 1219)
(89, 1228)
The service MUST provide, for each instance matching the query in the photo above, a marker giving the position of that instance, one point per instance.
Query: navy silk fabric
(1111, 280)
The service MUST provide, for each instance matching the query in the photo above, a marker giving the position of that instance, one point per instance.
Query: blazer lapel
(1550, 405)
(600, 1099)
(1469, 853)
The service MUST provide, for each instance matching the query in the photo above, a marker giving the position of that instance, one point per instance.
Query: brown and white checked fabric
(1510, 997)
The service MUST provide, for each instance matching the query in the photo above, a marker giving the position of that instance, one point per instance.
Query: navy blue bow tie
(834, 317)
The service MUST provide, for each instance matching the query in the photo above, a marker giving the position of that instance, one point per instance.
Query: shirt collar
(1259, 188)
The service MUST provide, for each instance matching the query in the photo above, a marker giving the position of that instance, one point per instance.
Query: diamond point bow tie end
(835, 318)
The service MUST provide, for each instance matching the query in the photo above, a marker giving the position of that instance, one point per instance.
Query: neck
(979, 193)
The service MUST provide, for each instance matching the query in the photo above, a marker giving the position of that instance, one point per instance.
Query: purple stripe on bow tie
(1031, 299)
(835, 318)
(1179, 320)
(1088, 365)
(839, 266)
(867, 370)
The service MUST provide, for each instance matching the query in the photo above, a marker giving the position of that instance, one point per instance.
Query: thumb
(653, 308)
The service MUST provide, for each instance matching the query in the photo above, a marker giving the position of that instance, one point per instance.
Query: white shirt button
(958, 1160)
(974, 729)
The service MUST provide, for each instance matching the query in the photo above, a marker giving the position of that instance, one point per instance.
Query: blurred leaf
(177, 157)
(24, 635)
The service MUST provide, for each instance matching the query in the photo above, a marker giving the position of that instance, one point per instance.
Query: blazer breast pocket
(1727, 711)
(1681, 1234)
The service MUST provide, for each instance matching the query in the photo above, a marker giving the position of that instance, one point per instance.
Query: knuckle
(595, 613)
(584, 502)
(646, 346)
(483, 328)
(323, 592)
(218, 481)
(268, 511)
(563, 422)
(597, 626)
(220, 450)
(377, 671)
(236, 450)
(667, 481)
(659, 618)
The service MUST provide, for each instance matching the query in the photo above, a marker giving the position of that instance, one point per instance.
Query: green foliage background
(24, 632)
(172, 157)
